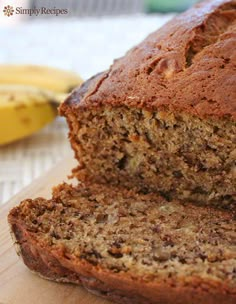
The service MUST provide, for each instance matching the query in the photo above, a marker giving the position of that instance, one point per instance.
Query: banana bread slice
(129, 247)
(163, 117)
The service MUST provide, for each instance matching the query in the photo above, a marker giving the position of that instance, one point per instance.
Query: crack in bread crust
(208, 32)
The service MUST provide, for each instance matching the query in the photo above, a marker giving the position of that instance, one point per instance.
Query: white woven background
(86, 46)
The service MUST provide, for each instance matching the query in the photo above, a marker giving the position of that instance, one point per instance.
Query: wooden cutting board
(17, 284)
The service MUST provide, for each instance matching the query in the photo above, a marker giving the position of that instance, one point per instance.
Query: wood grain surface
(17, 284)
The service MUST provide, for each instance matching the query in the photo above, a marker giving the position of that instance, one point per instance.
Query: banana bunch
(29, 97)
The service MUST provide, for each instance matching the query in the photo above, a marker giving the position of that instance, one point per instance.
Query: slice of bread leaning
(163, 117)
(129, 247)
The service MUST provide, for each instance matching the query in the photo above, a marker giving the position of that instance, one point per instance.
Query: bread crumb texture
(143, 236)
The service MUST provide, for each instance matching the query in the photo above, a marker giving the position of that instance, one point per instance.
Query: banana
(41, 76)
(24, 110)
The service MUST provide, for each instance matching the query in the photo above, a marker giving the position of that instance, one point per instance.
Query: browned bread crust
(74, 238)
(187, 65)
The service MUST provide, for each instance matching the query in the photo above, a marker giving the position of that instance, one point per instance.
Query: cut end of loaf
(177, 155)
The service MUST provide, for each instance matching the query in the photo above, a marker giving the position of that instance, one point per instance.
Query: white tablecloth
(86, 46)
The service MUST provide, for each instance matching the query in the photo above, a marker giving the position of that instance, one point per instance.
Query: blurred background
(83, 36)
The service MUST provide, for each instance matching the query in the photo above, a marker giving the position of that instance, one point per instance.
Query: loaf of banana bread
(163, 117)
(129, 247)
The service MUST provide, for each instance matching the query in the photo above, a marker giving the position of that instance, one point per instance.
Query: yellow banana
(24, 110)
(41, 76)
